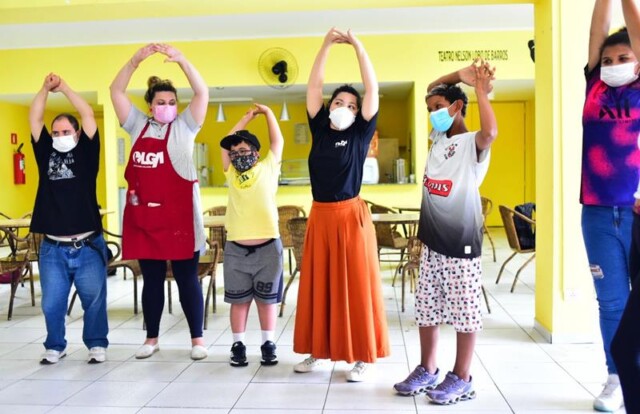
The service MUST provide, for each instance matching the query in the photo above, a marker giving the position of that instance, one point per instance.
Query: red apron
(161, 225)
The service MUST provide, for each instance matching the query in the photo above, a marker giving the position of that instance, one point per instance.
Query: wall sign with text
(469, 55)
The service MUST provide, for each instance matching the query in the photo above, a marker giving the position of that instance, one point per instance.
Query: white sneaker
(610, 399)
(97, 354)
(359, 372)
(51, 356)
(309, 364)
(146, 350)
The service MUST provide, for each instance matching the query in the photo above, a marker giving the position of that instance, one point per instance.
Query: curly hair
(451, 93)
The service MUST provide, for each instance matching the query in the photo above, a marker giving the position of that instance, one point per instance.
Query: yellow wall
(506, 181)
(16, 200)
(418, 54)
(565, 308)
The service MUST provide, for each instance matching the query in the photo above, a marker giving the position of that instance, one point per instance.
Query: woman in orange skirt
(340, 314)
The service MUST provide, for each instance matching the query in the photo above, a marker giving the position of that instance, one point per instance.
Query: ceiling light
(284, 115)
(221, 117)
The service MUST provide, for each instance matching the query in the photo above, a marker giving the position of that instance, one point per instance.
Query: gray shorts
(253, 272)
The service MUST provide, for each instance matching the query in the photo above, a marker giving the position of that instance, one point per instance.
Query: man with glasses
(253, 251)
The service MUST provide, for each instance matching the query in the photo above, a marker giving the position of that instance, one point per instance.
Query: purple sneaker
(452, 390)
(417, 382)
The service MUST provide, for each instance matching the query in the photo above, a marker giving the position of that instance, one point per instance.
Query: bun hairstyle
(155, 84)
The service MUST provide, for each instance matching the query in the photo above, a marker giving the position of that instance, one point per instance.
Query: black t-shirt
(66, 202)
(337, 158)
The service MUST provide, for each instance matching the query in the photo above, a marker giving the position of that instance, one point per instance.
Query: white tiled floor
(515, 371)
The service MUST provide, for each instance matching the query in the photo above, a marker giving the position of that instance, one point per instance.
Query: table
(213, 221)
(25, 223)
(411, 209)
(409, 220)
(391, 218)
(21, 223)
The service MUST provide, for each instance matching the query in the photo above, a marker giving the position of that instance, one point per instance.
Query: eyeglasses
(239, 153)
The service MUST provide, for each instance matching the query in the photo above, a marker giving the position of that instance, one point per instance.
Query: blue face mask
(441, 120)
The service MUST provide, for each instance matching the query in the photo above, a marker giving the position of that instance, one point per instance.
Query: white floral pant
(449, 290)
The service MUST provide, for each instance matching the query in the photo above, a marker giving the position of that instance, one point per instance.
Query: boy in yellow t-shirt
(253, 251)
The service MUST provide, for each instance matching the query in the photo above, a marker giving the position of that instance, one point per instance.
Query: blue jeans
(607, 238)
(85, 267)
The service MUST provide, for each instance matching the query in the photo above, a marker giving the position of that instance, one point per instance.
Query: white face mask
(619, 75)
(342, 118)
(64, 143)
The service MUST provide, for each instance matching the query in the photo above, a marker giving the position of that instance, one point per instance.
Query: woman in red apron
(162, 217)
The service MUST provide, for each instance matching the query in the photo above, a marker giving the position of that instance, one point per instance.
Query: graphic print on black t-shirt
(60, 166)
(336, 159)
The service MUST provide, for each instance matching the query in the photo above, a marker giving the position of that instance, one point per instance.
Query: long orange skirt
(340, 314)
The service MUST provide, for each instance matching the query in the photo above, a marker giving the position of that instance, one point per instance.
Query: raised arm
(316, 77)
(275, 135)
(276, 141)
(632, 21)
(600, 25)
(121, 102)
(87, 118)
(488, 124)
(36, 111)
(200, 101)
(241, 124)
(466, 75)
(371, 99)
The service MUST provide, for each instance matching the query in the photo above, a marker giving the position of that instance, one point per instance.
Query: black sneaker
(268, 353)
(238, 355)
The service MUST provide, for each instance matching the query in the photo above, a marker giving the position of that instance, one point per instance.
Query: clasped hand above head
(479, 74)
(173, 54)
(52, 82)
(256, 110)
(336, 36)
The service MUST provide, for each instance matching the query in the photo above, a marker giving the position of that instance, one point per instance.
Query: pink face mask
(165, 113)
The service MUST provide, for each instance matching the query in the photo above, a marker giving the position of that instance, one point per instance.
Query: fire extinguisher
(18, 166)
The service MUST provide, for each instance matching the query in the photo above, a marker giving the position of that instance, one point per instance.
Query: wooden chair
(369, 204)
(217, 234)
(508, 215)
(115, 263)
(285, 213)
(412, 268)
(389, 237)
(3, 235)
(487, 207)
(15, 268)
(297, 227)
(206, 268)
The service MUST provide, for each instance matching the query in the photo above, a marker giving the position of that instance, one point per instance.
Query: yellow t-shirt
(252, 212)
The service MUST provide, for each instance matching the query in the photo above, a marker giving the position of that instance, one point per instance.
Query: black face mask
(243, 163)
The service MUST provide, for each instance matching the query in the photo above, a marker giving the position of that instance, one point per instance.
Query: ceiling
(61, 23)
